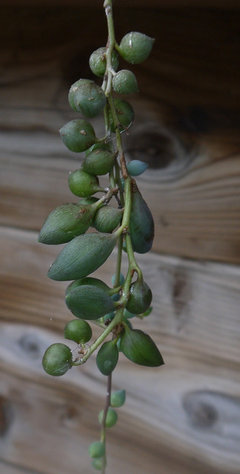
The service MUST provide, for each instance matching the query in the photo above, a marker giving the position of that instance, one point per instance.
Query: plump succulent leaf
(82, 256)
(97, 61)
(89, 302)
(86, 97)
(125, 82)
(107, 219)
(78, 330)
(98, 162)
(57, 359)
(125, 114)
(111, 418)
(136, 167)
(140, 348)
(118, 398)
(141, 222)
(96, 449)
(140, 297)
(107, 357)
(83, 184)
(77, 135)
(66, 222)
(135, 47)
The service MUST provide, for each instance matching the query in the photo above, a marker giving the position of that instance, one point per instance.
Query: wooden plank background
(183, 418)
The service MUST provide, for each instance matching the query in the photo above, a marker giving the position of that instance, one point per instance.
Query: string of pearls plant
(130, 226)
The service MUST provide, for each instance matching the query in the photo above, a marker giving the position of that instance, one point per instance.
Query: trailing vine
(129, 226)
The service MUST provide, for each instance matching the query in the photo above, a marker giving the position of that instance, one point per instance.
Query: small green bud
(77, 135)
(107, 357)
(111, 418)
(86, 97)
(96, 449)
(83, 184)
(125, 82)
(135, 47)
(97, 61)
(78, 330)
(118, 398)
(57, 359)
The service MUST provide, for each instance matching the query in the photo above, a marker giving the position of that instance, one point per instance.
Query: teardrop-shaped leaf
(78, 330)
(89, 302)
(140, 297)
(141, 222)
(140, 348)
(66, 222)
(82, 256)
(107, 357)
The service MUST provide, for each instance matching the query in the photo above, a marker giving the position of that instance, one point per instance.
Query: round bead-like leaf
(96, 449)
(118, 398)
(111, 418)
(136, 167)
(82, 256)
(57, 359)
(83, 184)
(99, 161)
(77, 135)
(107, 357)
(140, 348)
(107, 219)
(125, 82)
(125, 114)
(86, 97)
(97, 61)
(135, 47)
(140, 297)
(88, 281)
(78, 330)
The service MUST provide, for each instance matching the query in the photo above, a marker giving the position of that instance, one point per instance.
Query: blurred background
(183, 418)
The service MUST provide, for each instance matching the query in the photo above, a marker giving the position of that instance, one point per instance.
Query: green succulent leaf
(135, 47)
(78, 330)
(66, 222)
(97, 61)
(107, 219)
(140, 348)
(141, 222)
(57, 359)
(77, 135)
(86, 97)
(118, 398)
(89, 302)
(107, 357)
(140, 297)
(82, 256)
(111, 418)
(83, 184)
(96, 449)
(125, 114)
(125, 82)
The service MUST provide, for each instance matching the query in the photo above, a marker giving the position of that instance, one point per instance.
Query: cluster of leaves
(130, 225)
